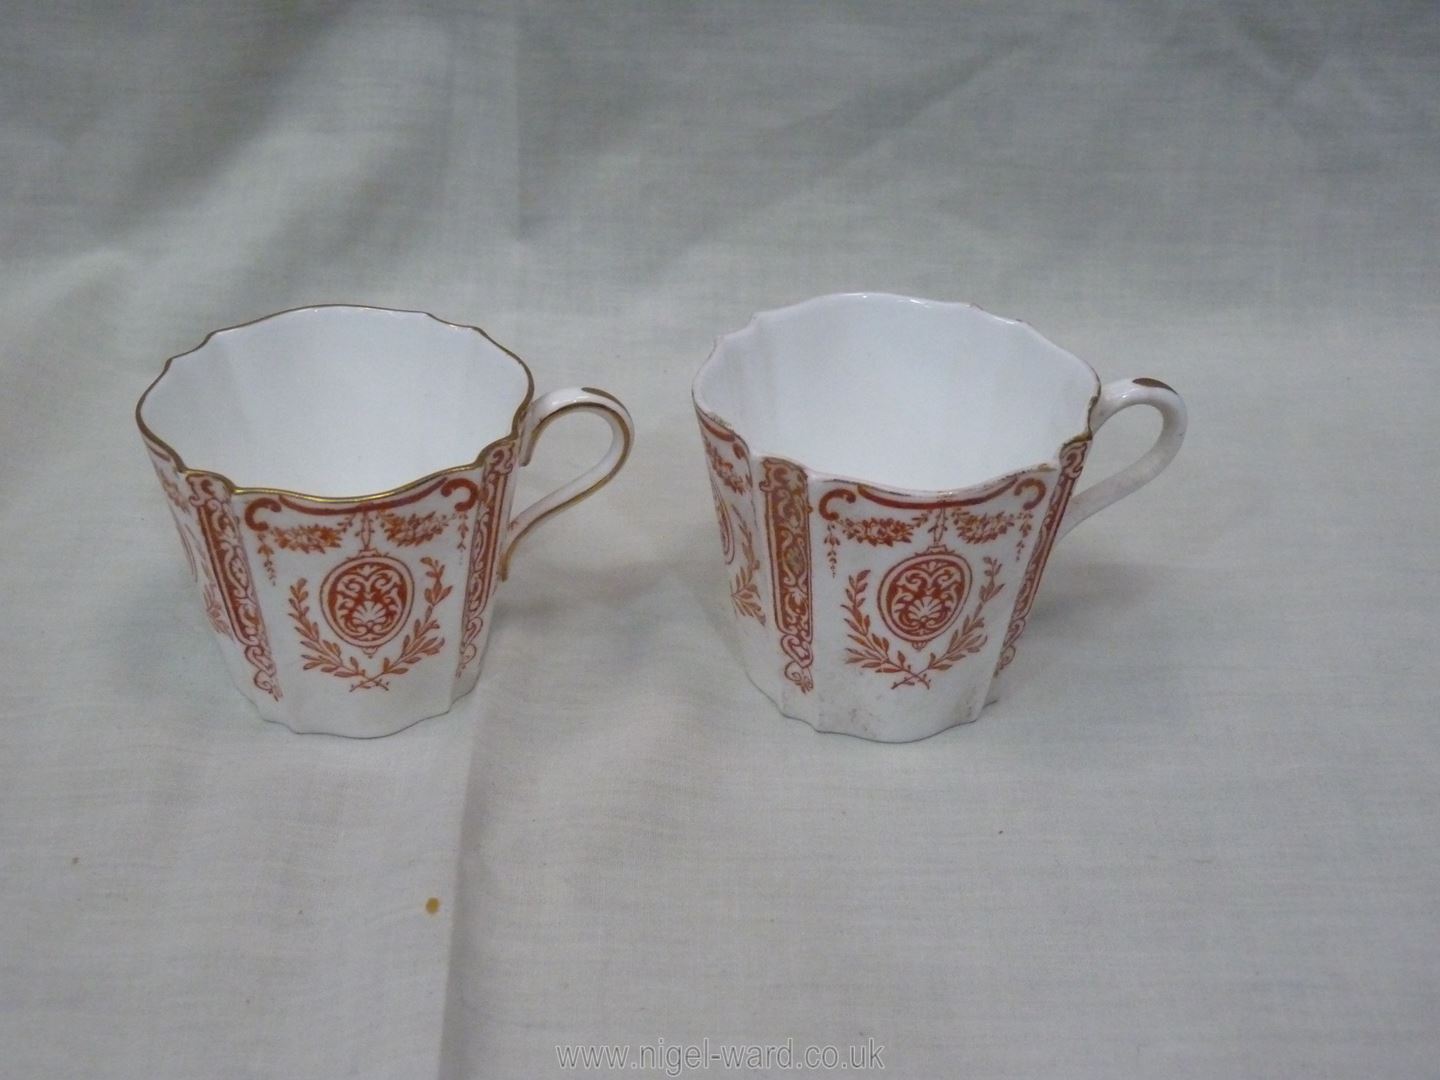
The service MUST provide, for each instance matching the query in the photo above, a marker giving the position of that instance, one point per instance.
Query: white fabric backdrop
(1198, 838)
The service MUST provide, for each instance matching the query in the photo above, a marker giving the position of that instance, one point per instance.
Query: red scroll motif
(421, 640)
(873, 652)
(221, 533)
(183, 515)
(1072, 462)
(366, 600)
(787, 519)
(731, 479)
(484, 546)
(725, 472)
(921, 597)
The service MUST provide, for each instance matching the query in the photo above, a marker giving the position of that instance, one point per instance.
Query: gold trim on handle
(235, 489)
(627, 441)
(1154, 384)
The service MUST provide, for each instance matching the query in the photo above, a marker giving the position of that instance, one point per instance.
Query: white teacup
(341, 481)
(889, 476)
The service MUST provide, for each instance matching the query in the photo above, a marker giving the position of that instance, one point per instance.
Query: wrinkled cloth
(1196, 838)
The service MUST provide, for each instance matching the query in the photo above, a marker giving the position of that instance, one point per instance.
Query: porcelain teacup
(341, 479)
(889, 475)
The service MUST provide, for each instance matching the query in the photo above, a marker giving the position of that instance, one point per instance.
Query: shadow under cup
(889, 475)
(340, 478)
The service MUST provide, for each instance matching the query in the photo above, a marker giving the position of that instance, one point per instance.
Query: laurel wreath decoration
(874, 651)
(744, 592)
(420, 641)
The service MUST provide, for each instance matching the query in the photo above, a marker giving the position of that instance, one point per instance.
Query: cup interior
(336, 401)
(898, 392)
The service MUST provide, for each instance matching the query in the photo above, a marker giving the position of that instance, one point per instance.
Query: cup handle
(545, 409)
(1115, 397)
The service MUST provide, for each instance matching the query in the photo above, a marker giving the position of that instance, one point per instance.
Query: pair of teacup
(889, 475)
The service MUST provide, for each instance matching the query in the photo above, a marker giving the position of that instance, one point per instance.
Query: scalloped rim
(771, 314)
(234, 489)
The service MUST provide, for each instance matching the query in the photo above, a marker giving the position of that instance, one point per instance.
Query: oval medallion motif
(921, 597)
(367, 599)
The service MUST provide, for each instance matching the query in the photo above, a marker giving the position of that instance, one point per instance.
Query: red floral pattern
(922, 596)
(411, 530)
(366, 600)
(421, 641)
(730, 477)
(787, 523)
(1072, 463)
(226, 555)
(874, 652)
(488, 503)
(720, 447)
(745, 589)
(182, 513)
